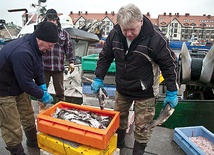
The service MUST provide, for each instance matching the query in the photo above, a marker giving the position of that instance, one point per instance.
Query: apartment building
(107, 18)
(173, 26)
(184, 27)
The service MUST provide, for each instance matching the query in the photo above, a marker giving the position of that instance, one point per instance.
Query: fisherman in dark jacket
(21, 74)
(140, 52)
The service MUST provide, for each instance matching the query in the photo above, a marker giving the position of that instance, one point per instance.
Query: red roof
(97, 16)
(187, 20)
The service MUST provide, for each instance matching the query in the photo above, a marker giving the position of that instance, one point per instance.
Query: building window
(163, 29)
(81, 23)
(185, 36)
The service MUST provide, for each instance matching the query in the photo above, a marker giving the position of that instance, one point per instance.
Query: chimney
(177, 14)
(186, 14)
(148, 14)
(204, 14)
(170, 14)
(164, 13)
(208, 16)
(86, 12)
(79, 12)
(112, 13)
(106, 12)
(71, 12)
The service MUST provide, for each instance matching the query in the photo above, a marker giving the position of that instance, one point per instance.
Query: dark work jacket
(137, 73)
(21, 68)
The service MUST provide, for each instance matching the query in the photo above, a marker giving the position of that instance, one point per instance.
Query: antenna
(39, 11)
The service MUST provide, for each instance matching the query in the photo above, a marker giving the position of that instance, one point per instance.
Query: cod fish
(101, 95)
(86, 118)
(165, 113)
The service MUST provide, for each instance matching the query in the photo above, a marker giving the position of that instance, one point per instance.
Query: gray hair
(127, 14)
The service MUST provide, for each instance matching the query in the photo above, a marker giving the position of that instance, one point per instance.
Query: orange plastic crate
(98, 138)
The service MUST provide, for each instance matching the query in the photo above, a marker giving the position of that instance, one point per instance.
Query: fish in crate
(83, 117)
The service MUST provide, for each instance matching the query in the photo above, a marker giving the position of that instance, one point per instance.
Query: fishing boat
(191, 44)
(196, 95)
(81, 40)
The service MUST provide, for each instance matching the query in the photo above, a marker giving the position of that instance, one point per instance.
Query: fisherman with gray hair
(141, 53)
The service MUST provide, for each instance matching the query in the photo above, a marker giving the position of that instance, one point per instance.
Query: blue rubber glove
(43, 87)
(171, 98)
(97, 83)
(47, 98)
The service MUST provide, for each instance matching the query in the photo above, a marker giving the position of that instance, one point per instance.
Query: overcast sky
(154, 7)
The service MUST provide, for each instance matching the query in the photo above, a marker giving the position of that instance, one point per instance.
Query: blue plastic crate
(182, 135)
(110, 89)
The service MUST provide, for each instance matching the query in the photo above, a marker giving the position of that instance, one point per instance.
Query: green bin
(89, 63)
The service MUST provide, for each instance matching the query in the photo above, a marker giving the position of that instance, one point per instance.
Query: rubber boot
(138, 148)
(16, 150)
(121, 138)
(31, 138)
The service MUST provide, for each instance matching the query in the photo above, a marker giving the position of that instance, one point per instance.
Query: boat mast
(39, 11)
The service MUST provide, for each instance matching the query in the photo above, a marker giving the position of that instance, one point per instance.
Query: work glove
(97, 83)
(47, 98)
(43, 87)
(71, 68)
(171, 98)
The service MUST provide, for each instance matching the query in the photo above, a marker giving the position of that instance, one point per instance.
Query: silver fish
(101, 95)
(83, 117)
(165, 113)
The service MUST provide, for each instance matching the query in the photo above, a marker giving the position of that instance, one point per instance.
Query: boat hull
(176, 45)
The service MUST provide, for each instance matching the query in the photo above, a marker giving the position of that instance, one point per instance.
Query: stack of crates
(89, 64)
(62, 137)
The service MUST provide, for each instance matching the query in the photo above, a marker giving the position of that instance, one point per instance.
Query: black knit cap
(47, 31)
(51, 14)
